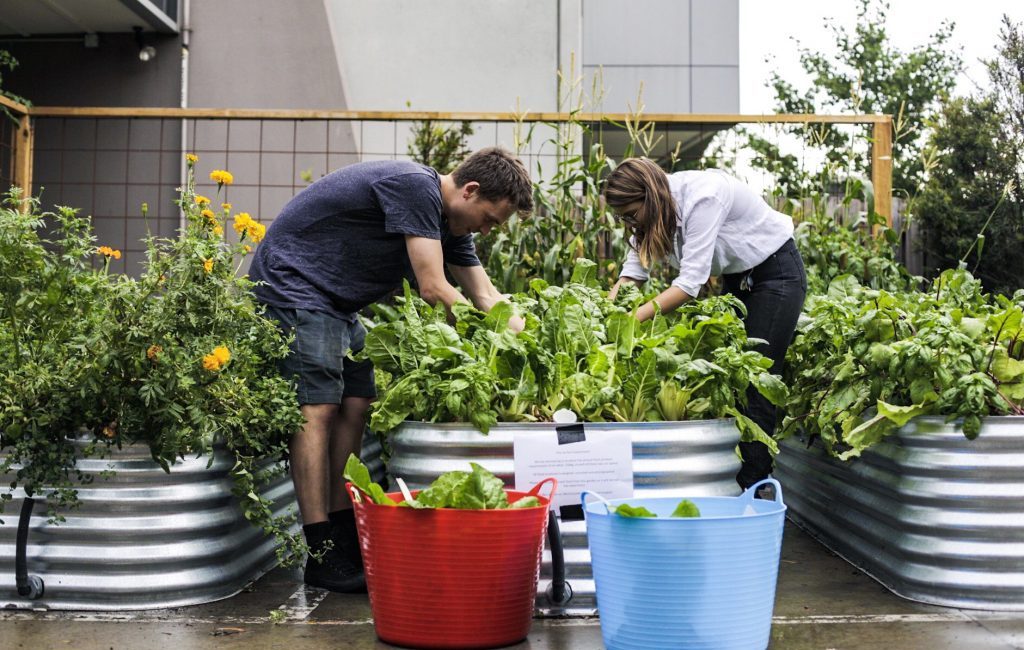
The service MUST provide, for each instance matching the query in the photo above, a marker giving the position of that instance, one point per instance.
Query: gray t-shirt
(339, 245)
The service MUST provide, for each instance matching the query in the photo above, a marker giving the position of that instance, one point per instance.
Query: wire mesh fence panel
(110, 165)
(8, 133)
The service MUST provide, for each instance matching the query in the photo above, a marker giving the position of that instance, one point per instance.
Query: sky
(767, 28)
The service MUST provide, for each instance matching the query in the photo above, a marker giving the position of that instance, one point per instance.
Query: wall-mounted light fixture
(146, 52)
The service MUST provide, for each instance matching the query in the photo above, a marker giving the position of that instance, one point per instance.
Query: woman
(710, 223)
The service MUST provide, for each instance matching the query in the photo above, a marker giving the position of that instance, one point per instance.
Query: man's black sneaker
(336, 572)
(346, 539)
(766, 492)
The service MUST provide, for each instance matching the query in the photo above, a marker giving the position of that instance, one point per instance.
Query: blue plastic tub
(704, 582)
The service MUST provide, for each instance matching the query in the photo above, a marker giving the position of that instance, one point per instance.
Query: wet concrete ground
(822, 603)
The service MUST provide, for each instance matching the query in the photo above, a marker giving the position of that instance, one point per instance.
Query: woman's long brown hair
(641, 179)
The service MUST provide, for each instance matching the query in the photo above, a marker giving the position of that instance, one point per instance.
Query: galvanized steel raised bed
(932, 516)
(145, 538)
(695, 458)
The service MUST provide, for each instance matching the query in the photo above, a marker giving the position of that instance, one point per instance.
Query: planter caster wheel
(29, 586)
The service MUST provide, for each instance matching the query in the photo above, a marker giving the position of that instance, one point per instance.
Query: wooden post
(881, 166)
(23, 148)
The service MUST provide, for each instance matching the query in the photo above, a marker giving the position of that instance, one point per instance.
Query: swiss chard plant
(868, 361)
(579, 351)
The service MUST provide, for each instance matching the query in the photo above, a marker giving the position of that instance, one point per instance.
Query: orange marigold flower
(222, 177)
(255, 231)
(191, 158)
(202, 200)
(110, 430)
(207, 265)
(153, 351)
(242, 221)
(211, 363)
(107, 251)
(222, 354)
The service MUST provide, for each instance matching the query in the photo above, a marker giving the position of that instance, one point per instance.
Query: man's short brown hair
(501, 176)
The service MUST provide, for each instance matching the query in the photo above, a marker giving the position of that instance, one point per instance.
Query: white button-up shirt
(722, 226)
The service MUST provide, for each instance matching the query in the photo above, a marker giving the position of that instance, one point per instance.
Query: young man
(346, 241)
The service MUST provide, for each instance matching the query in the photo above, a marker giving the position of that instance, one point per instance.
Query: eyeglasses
(629, 219)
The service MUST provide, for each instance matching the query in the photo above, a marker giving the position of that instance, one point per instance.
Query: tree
(9, 62)
(972, 208)
(866, 74)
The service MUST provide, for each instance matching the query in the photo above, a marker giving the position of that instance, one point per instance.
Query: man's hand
(517, 324)
(478, 286)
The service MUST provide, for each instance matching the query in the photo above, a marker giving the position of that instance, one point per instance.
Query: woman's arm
(667, 300)
(621, 281)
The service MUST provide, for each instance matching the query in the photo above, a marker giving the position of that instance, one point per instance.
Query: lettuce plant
(478, 489)
(868, 361)
(579, 351)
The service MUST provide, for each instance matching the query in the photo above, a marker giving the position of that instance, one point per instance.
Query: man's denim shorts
(318, 361)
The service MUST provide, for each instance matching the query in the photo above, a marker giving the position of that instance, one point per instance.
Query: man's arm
(427, 260)
(478, 286)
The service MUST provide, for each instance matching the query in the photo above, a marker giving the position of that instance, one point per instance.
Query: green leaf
(626, 510)
(489, 487)
(525, 502)
(686, 508)
(771, 387)
(439, 494)
(359, 476)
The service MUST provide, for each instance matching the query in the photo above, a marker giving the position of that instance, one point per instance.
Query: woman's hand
(615, 289)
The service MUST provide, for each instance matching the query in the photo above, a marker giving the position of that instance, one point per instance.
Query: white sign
(600, 461)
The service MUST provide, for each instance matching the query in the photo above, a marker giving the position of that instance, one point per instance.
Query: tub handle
(357, 494)
(588, 493)
(535, 490)
(749, 493)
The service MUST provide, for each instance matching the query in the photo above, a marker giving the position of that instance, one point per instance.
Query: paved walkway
(822, 604)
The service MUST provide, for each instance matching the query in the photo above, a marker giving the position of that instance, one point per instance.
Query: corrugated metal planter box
(695, 458)
(146, 539)
(932, 516)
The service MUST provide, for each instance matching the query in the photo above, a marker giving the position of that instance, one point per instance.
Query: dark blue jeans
(773, 292)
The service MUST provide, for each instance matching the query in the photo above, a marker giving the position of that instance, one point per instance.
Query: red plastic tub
(452, 578)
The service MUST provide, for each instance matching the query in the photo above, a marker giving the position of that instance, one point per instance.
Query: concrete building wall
(263, 54)
(685, 52)
(63, 72)
(447, 54)
(444, 55)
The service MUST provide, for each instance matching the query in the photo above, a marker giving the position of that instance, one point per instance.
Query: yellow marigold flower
(209, 215)
(217, 230)
(248, 248)
(255, 231)
(107, 251)
(222, 353)
(202, 200)
(153, 351)
(242, 221)
(211, 363)
(208, 265)
(226, 206)
(222, 177)
(191, 158)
